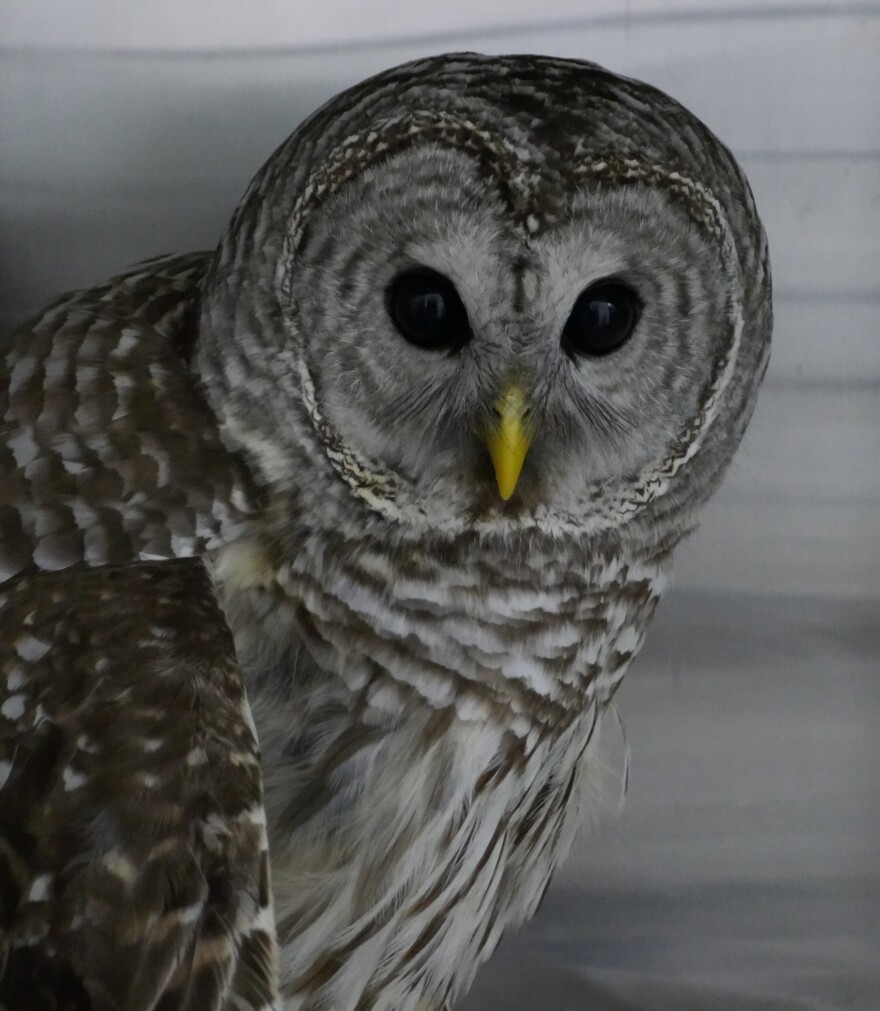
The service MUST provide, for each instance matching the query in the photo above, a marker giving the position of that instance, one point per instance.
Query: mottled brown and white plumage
(257, 577)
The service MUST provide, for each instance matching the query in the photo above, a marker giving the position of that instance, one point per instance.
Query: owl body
(323, 555)
(461, 724)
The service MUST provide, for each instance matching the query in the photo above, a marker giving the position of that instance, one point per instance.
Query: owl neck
(527, 632)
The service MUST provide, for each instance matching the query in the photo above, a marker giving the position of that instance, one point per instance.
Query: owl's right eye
(427, 310)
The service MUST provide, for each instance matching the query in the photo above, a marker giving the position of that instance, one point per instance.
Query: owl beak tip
(506, 486)
(508, 466)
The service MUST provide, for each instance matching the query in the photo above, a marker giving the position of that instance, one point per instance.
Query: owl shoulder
(108, 452)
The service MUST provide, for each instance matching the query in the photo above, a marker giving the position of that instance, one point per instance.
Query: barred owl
(323, 554)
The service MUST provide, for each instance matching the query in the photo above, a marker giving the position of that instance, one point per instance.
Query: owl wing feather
(108, 453)
(133, 857)
(134, 869)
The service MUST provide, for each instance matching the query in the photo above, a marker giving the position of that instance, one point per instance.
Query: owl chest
(420, 851)
(529, 653)
(425, 757)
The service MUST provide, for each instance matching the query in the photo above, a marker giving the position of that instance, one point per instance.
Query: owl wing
(133, 861)
(134, 870)
(108, 453)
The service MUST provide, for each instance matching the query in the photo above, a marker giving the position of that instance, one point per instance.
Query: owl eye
(427, 310)
(603, 318)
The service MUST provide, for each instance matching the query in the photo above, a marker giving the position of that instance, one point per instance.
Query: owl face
(424, 309)
(482, 298)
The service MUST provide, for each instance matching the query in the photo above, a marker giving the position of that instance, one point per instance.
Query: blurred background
(744, 868)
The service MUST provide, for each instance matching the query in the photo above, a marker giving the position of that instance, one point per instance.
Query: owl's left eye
(602, 319)
(427, 310)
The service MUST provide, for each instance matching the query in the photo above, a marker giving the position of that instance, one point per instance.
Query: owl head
(491, 293)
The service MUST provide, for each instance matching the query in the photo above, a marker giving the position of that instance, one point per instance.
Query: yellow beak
(508, 438)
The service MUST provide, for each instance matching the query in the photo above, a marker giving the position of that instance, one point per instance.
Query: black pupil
(427, 310)
(603, 318)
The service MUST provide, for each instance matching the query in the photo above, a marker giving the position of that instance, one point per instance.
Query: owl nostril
(512, 402)
(499, 411)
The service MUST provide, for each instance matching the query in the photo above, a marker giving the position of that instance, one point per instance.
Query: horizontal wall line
(814, 383)
(806, 155)
(767, 12)
(839, 296)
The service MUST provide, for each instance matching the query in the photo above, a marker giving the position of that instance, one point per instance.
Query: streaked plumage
(241, 442)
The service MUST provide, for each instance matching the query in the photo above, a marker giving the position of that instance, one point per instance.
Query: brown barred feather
(132, 831)
(109, 454)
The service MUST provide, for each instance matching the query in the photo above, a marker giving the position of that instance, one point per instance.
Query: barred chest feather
(426, 723)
